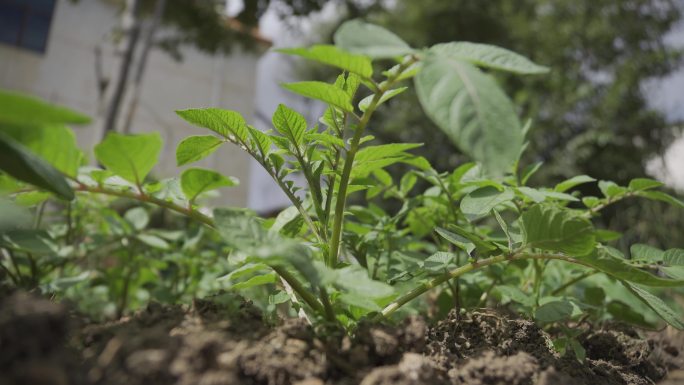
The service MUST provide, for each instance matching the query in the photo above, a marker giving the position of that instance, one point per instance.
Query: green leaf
(640, 184)
(365, 102)
(553, 311)
(195, 181)
(355, 280)
(137, 217)
(291, 124)
(618, 268)
(27, 110)
(372, 158)
(639, 251)
(529, 171)
(489, 56)
(153, 241)
(131, 157)
(370, 40)
(331, 55)
(674, 257)
(21, 164)
(472, 110)
(56, 144)
(243, 270)
(455, 239)
(532, 193)
(661, 196)
(324, 92)
(361, 301)
(29, 241)
(658, 306)
(439, 261)
(610, 189)
(484, 200)
(553, 229)
(516, 295)
(229, 124)
(194, 148)
(591, 202)
(256, 281)
(572, 182)
(278, 298)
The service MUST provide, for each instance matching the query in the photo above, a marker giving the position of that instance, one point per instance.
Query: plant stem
(418, 291)
(332, 257)
(208, 221)
(299, 288)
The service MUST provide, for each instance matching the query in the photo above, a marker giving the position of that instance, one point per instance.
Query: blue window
(26, 23)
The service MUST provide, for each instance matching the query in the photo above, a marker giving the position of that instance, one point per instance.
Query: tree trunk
(160, 6)
(131, 12)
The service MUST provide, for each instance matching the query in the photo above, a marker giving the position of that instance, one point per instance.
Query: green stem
(476, 265)
(349, 162)
(298, 288)
(208, 221)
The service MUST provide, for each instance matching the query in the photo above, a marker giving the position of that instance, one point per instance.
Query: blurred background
(612, 106)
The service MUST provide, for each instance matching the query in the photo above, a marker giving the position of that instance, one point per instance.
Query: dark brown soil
(224, 341)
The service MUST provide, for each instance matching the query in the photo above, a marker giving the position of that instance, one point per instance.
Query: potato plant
(477, 235)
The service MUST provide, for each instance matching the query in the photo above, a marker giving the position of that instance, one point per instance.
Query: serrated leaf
(658, 306)
(331, 55)
(290, 123)
(472, 110)
(194, 148)
(602, 260)
(553, 311)
(262, 140)
(131, 157)
(439, 261)
(489, 56)
(484, 200)
(365, 102)
(195, 181)
(640, 184)
(370, 40)
(23, 165)
(324, 92)
(674, 257)
(572, 182)
(553, 229)
(229, 124)
(639, 251)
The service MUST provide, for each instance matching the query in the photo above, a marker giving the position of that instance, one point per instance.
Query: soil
(225, 341)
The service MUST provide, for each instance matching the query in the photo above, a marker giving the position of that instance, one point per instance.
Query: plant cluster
(475, 236)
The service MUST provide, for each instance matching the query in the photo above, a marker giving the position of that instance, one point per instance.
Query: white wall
(65, 74)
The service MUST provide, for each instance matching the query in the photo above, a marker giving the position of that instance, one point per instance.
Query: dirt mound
(225, 341)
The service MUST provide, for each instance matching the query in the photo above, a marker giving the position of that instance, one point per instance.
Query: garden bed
(226, 341)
